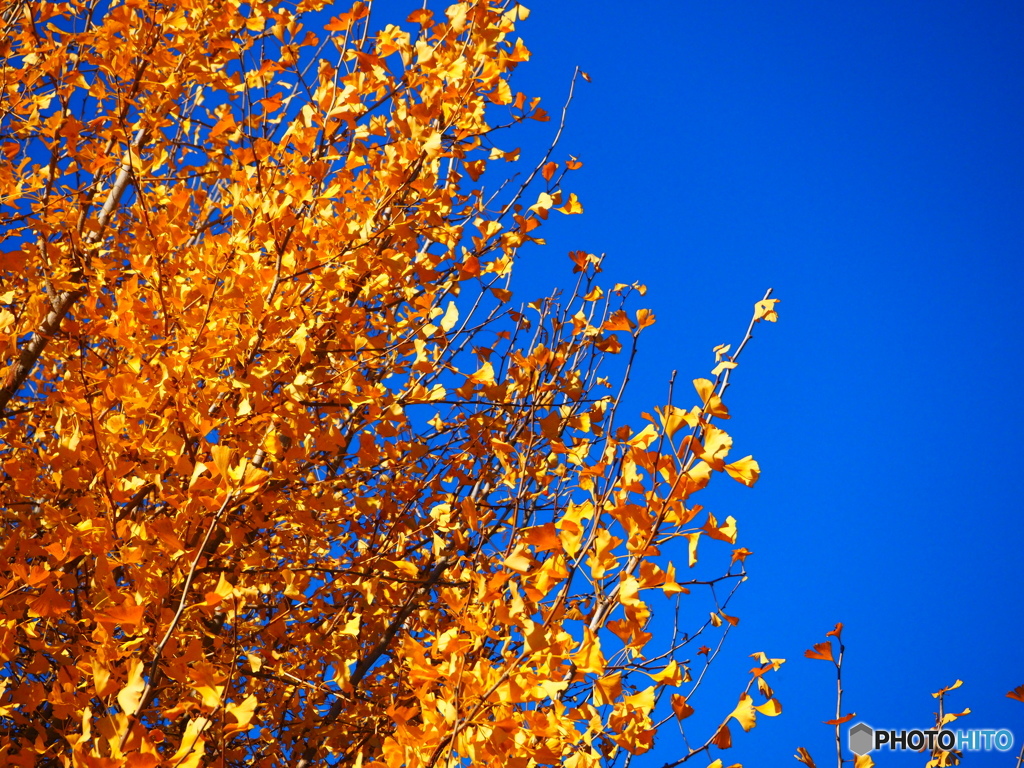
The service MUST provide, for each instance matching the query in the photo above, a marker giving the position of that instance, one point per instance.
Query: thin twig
(839, 702)
(154, 665)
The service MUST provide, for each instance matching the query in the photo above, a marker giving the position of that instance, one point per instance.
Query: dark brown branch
(62, 303)
(364, 665)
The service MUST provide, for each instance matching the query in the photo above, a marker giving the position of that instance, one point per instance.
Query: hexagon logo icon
(860, 738)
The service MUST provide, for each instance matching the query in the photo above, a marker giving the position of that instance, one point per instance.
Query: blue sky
(866, 160)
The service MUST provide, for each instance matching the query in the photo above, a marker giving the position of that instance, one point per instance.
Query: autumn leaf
(821, 651)
(589, 658)
(48, 604)
(681, 706)
(190, 753)
(741, 554)
(771, 708)
(804, 757)
(618, 322)
(723, 366)
(670, 675)
(673, 419)
(131, 694)
(767, 663)
(451, 317)
(722, 738)
(744, 712)
(519, 560)
(765, 310)
(222, 591)
(127, 614)
(947, 689)
(221, 458)
(242, 713)
(840, 720)
(726, 532)
(710, 402)
(644, 318)
(746, 471)
(542, 538)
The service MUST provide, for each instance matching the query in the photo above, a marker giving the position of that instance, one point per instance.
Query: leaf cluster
(285, 472)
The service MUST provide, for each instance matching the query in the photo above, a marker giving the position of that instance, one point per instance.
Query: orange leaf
(821, 651)
(542, 537)
(128, 613)
(725, 532)
(618, 322)
(722, 738)
(741, 554)
(644, 318)
(804, 757)
(222, 591)
(142, 760)
(841, 720)
(49, 604)
(681, 706)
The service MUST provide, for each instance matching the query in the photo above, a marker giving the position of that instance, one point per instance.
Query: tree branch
(33, 349)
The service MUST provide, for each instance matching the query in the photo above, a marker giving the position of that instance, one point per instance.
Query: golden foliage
(284, 472)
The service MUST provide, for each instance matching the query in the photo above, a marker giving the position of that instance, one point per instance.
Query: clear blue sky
(867, 161)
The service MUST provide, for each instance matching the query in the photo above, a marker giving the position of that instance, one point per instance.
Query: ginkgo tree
(287, 476)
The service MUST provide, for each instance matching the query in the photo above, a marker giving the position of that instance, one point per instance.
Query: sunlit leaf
(131, 694)
(947, 689)
(765, 310)
(822, 651)
(746, 470)
(744, 712)
(771, 708)
(840, 720)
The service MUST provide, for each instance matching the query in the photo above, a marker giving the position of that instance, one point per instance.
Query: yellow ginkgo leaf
(129, 697)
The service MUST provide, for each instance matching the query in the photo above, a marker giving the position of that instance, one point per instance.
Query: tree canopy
(288, 475)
